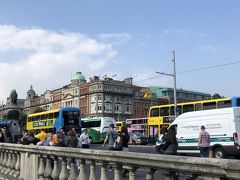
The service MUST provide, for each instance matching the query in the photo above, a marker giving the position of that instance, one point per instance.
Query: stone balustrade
(31, 162)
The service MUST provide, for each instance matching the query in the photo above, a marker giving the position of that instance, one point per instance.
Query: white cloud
(115, 38)
(49, 58)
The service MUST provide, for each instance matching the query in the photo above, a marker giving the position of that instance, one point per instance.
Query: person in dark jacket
(171, 142)
(2, 138)
(72, 140)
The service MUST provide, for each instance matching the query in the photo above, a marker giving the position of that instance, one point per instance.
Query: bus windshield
(90, 124)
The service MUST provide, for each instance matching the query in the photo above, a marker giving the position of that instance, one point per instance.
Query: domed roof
(78, 77)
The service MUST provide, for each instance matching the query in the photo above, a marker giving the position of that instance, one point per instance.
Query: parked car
(138, 138)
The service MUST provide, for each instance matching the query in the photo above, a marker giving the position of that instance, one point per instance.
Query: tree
(39, 109)
(216, 96)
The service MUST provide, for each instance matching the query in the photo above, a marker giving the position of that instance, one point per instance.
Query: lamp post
(174, 83)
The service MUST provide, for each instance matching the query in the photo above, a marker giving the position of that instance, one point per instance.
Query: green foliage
(4, 116)
(39, 109)
(216, 96)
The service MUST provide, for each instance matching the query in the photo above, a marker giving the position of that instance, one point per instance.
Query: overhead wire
(193, 70)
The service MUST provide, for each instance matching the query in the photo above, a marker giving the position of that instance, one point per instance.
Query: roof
(78, 76)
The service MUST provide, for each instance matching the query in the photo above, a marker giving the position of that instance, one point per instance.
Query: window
(43, 117)
(164, 111)
(223, 104)
(154, 112)
(238, 102)
(209, 105)
(198, 107)
(55, 115)
(128, 108)
(50, 116)
(188, 108)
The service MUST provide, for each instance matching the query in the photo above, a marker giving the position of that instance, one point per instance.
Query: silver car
(138, 138)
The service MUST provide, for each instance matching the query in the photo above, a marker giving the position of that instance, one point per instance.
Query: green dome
(78, 76)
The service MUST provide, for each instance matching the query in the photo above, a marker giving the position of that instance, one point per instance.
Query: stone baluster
(64, 172)
(4, 163)
(210, 177)
(132, 172)
(8, 162)
(117, 172)
(41, 168)
(55, 172)
(169, 175)
(103, 171)
(149, 174)
(73, 173)
(82, 175)
(92, 170)
(48, 169)
(1, 159)
(13, 163)
(17, 166)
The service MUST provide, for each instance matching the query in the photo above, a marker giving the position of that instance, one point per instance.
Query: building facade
(182, 95)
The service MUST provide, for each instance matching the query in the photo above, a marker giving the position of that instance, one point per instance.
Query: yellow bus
(66, 118)
(119, 125)
(160, 117)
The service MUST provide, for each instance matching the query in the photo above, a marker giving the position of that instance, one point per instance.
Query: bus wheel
(134, 142)
(219, 153)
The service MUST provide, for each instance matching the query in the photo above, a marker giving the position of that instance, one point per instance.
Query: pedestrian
(110, 137)
(125, 139)
(42, 135)
(49, 140)
(204, 142)
(2, 139)
(72, 142)
(84, 139)
(61, 138)
(171, 144)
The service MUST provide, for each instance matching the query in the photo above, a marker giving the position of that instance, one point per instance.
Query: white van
(223, 125)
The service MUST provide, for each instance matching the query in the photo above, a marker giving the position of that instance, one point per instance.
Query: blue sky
(43, 43)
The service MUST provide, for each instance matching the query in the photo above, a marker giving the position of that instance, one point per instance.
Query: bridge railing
(31, 162)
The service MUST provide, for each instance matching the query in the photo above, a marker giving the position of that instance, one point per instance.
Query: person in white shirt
(84, 139)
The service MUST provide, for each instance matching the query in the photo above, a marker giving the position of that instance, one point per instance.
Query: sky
(44, 43)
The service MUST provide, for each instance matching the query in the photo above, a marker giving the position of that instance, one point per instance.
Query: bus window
(29, 119)
(238, 102)
(179, 109)
(198, 107)
(55, 115)
(223, 104)
(37, 118)
(164, 111)
(209, 105)
(50, 115)
(43, 117)
(140, 121)
(188, 108)
(154, 112)
(33, 118)
(172, 111)
(134, 121)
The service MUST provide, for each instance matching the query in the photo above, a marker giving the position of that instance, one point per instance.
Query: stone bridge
(31, 162)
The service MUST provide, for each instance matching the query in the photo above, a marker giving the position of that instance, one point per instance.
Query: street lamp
(174, 83)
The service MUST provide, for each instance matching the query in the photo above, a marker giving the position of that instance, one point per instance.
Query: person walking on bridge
(204, 142)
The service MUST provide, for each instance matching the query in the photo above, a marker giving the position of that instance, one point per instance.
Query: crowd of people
(60, 139)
